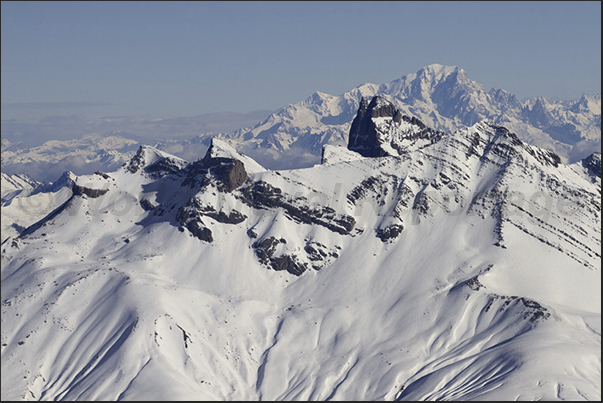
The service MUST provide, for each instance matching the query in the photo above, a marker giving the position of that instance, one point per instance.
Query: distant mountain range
(442, 97)
(411, 264)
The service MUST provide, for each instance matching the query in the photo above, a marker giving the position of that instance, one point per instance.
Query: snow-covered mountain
(442, 97)
(26, 201)
(16, 182)
(88, 154)
(412, 265)
(83, 155)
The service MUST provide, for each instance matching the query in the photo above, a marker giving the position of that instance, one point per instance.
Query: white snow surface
(25, 201)
(16, 182)
(335, 154)
(490, 291)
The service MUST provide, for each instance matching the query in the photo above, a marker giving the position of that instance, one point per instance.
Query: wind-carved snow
(464, 267)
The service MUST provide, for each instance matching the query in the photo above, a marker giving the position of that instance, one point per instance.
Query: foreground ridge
(414, 264)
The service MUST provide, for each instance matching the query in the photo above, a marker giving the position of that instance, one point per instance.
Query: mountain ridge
(460, 266)
(442, 97)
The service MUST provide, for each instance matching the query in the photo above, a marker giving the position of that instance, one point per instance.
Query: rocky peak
(380, 107)
(144, 157)
(587, 104)
(593, 164)
(229, 173)
(154, 162)
(379, 129)
(67, 179)
(539, 114)
(220, 148)
(504, 98)
(363, 137)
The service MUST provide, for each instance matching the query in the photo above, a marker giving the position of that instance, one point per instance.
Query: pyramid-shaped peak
(437, 74)
(219, 148)
(66, 178)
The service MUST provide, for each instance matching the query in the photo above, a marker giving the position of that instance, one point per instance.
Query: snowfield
(465, 267)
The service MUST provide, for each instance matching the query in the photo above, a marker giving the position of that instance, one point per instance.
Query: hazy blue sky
(191, 58)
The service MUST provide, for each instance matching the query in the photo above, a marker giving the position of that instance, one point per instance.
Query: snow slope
(468, 268)
(11, 183)
(25, 201)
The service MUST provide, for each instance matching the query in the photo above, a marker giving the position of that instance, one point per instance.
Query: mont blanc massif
(445, 246)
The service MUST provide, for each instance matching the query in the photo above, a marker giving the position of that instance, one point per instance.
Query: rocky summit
(379, 129)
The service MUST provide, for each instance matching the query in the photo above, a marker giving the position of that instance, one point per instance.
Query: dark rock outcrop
(366, 139)
(234, 217)
(197, 228)
(390, 232)
(265, 251)
(363, 137)
(137, 161)
(320, 255)
(147, 205)
(262, 195)
(163, 167)
(288, 263)
(188, 217)
(265, 248)
(102, 174)
(593, 164)
(228, 173)
(82, 190)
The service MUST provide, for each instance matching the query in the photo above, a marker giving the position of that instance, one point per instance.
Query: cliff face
(380, 129)
(364, 137)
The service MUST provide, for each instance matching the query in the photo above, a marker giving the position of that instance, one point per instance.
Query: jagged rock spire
(363, 136)
(372, 136)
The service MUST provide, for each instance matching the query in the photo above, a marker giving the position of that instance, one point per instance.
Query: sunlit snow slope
(25, 201)
(456, 266)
